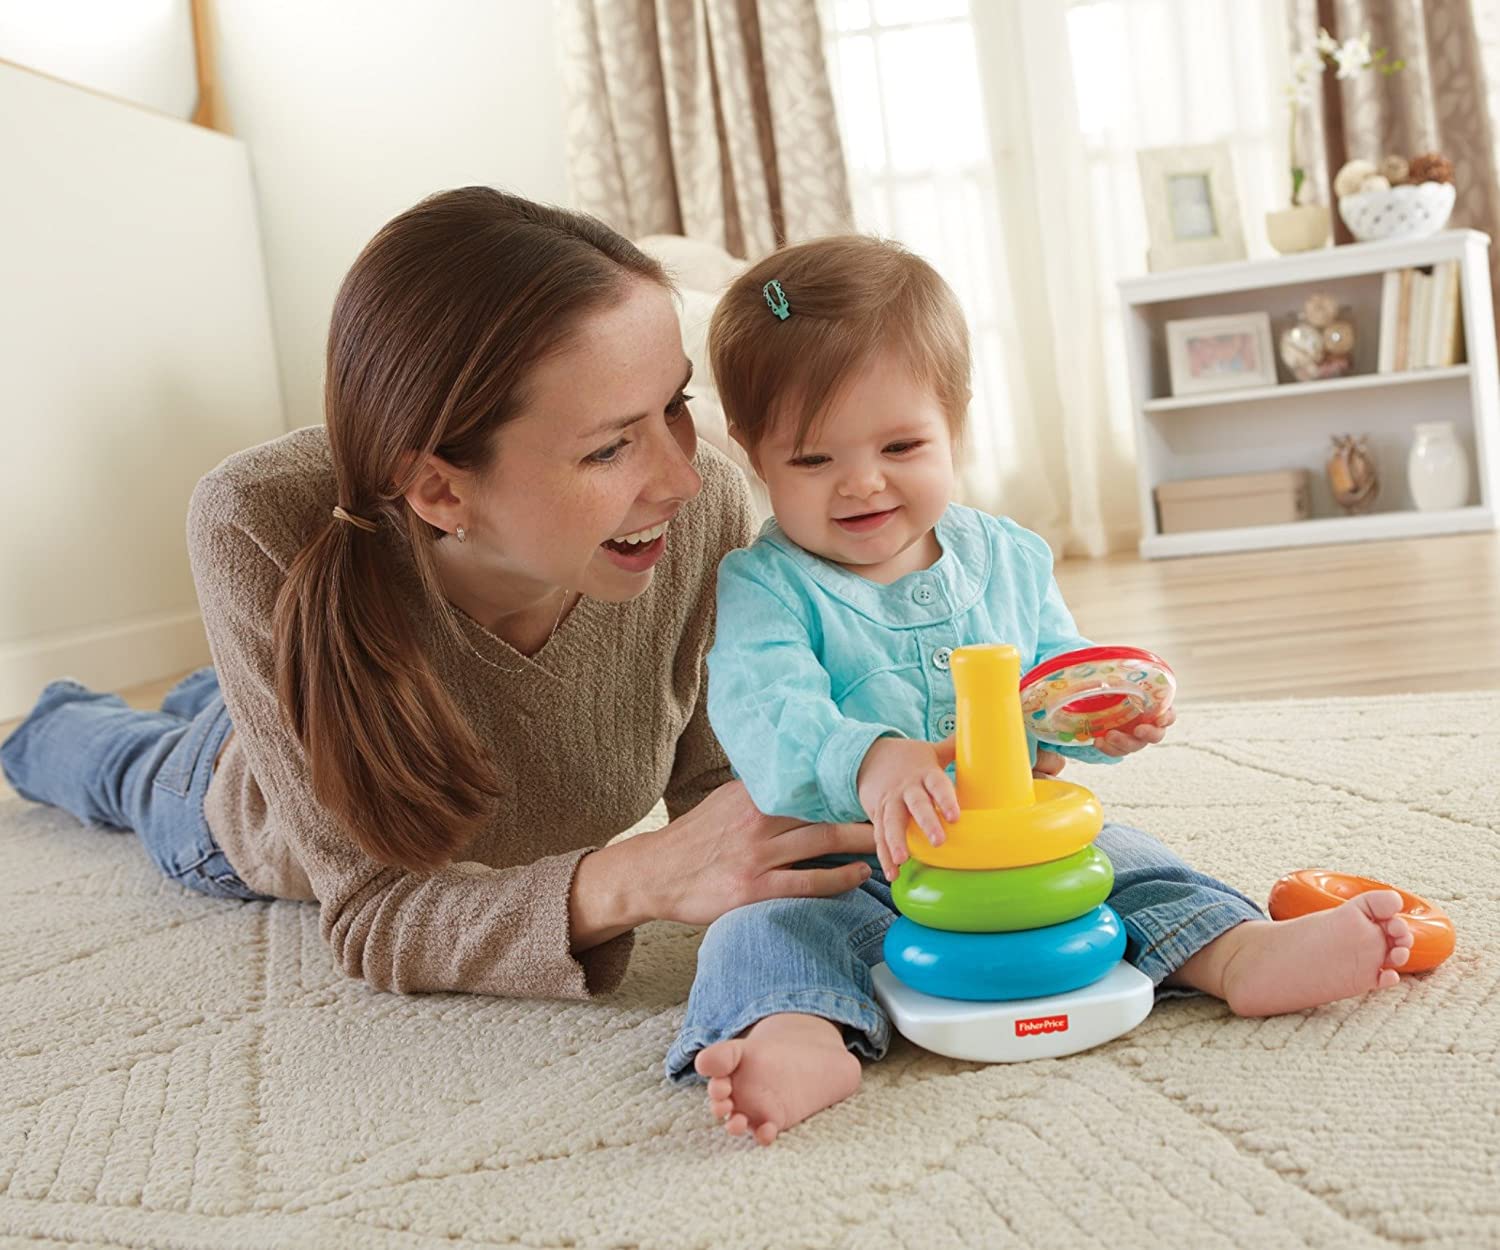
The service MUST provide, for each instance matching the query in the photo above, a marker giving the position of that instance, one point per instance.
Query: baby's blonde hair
(849, 297)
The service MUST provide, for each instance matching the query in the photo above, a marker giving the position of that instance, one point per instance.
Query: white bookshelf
(1291, 425)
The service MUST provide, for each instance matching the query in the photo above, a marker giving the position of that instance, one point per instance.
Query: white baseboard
(108, 657)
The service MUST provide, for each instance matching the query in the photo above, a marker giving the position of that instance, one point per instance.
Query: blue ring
(994, 967)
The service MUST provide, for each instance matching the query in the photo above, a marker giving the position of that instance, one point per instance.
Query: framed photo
(1220, 353)
(1192, 208)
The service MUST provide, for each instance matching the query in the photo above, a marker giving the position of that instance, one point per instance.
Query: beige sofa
(701, 271)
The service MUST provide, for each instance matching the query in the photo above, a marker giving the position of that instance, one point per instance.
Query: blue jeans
(814, 955)
(93, 755)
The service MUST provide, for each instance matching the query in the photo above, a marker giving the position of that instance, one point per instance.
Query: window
(921, 169)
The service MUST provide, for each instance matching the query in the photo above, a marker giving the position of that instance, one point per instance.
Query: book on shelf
(1421, 306)
(1421, 318)
(1442, 339)
(1402, 319)
(1390, 295)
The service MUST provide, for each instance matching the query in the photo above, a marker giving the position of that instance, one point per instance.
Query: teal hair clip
(776, 299)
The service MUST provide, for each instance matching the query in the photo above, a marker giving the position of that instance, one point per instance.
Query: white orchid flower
(1308, 65)
(1353, 55)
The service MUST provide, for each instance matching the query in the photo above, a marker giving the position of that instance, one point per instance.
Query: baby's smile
(865, 522)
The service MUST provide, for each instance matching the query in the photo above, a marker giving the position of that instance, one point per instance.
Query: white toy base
(1023, 1028)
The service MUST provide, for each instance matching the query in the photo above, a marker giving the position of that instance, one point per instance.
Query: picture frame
(1230, 352)
(1192, 206)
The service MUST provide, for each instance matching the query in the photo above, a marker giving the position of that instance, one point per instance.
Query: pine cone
(1431, 167)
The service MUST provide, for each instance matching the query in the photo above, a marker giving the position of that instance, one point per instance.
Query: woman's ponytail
(388, 752)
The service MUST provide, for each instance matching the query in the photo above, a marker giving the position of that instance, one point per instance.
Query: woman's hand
(725, 854)
(1118, 742)
(901, 779)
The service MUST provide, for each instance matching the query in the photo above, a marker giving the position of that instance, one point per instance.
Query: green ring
(1003, 900)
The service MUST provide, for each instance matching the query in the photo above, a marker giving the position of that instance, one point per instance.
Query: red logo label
(1041, 1024)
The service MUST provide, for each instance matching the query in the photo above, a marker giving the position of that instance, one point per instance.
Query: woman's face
(585, 482)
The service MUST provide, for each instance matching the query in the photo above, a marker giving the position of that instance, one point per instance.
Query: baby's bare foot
(786, 1068)
(1290, 965)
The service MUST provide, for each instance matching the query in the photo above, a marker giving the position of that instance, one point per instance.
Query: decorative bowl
(1405, 212)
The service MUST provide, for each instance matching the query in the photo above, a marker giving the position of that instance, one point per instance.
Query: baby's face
(868, 486)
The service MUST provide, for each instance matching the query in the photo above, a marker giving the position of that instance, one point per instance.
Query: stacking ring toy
(1006, 820)
(1001, 902)
(1078, 696)
(1299, 893)
(993, 967)
(1061, 821)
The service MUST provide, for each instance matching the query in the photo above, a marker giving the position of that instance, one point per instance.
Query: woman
(459, 634)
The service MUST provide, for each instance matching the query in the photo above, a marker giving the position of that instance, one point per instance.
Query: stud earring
(461, 534)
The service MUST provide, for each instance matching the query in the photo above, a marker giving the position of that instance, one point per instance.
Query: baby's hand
(900, 780)
(1048, 764)
(1118, 742)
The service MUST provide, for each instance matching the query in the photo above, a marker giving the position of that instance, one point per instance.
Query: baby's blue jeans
(814, 955)
(109, 764)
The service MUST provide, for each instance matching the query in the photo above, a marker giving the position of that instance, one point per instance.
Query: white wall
(135, 353)
(355, 109)
(138, 50)
(137, 343)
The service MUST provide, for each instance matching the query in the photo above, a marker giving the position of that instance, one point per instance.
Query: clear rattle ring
(1078, 696)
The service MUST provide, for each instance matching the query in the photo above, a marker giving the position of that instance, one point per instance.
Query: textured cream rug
(180, 1072)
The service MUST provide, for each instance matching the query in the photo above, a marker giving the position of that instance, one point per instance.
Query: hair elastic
(349, 518)
(776, 299)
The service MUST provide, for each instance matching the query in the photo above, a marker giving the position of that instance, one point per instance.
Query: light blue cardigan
(811, 663)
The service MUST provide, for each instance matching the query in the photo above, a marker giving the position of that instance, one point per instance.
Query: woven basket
(1405, 212)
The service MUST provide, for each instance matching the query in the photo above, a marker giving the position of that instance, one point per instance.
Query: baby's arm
(771, 706)
(1064, 636)
(1056, 634)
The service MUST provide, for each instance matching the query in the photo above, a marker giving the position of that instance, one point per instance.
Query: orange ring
(1312, 889)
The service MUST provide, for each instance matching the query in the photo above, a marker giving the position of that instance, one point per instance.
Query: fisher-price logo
(1041, 1024)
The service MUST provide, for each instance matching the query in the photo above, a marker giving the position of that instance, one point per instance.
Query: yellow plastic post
(994, 761)
(1006, 819)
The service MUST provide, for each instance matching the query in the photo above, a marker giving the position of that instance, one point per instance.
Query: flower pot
(1298, 229)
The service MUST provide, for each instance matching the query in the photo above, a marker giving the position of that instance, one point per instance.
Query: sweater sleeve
(466, 927)
(771, 702)
(1056, 631)
(700, 766)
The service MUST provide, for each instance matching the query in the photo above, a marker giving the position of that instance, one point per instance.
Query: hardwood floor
(1362, 618)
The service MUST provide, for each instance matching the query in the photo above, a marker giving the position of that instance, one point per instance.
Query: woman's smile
(640, 550)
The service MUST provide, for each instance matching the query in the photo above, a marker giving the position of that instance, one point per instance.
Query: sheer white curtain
(998, 139)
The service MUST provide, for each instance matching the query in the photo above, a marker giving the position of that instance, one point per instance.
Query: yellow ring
(1064, 819)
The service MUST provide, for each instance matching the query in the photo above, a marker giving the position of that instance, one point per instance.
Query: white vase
(1437, 470)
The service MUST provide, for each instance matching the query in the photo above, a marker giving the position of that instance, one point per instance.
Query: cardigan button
(947, 724)
(923, 594)
(941, 656)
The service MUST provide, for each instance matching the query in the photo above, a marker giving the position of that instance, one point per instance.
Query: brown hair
(434, 331)
(850, 297)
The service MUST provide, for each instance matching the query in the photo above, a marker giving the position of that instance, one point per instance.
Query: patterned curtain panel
(1439, 102)
(708, 118)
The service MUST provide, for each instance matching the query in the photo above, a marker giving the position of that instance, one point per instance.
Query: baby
(843, 366)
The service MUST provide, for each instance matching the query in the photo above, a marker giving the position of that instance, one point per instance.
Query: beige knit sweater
(604, 720)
